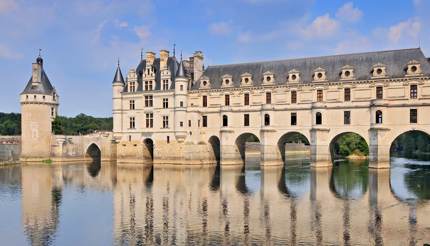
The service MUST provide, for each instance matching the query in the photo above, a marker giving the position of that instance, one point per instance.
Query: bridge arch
(293, 138)
(148, 148)
(215, 144)
(411, 144)
(356, 142)
(241, 141)
(93, 152)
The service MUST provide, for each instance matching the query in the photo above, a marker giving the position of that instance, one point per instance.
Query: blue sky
(82, 39)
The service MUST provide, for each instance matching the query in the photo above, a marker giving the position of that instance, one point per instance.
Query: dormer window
(246, 79)
(204, 82)
(413, 68)
(227, 80)
(268, 78)
(319, 75)
(379, 71)
(347, 73)
(293, 76)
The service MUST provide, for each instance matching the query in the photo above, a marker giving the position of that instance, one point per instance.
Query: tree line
(10, 124)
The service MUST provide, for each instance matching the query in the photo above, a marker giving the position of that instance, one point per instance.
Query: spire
(118, 75)
(39, 59)
(174, 50)
(181, 72)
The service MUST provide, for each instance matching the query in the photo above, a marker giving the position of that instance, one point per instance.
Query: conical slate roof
(181, 72)
(44, 87)
(118, 76)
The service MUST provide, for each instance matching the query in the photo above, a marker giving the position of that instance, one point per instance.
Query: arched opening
(149, 147)
(378, 117)
(249, 147)
(216, 148)
(413, 145)
(266, 119)
(348, 146)
(293, 146)
(318, 118)
(93, 152)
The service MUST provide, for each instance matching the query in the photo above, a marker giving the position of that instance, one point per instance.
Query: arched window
(379, 117)
(267, 120)
(318, 118)
(224, 120)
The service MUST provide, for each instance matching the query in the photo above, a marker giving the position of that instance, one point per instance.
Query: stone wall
(10, 148)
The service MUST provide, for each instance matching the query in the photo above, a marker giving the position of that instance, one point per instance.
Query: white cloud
(121, 24)
(349, 13)
(244, 37)
(7, 53)
(220, 28)
(142, 32)
(322, 27)
(7, 5)
(408, 29)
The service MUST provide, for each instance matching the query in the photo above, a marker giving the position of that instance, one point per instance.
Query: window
(132, 86)
(165, 121)
(205, 101)
(267, 120)
(181, 123)
(246, 119)
(268, 98)
(132, 123)
(132, 105)
(43, 97)
(168, 139)
(148, 85)
(320, 95)
(181, 87)
(181, 103)
(318, 118)
(148, 101)
(246, 99)
(346, 117)
(224, 120)
(165, 84)
(293, 96)
(227, 100)
(205, 121)
(52, 111)
(149, 120)
(293, 119)
(414, 91)
(379, 92)
(347, 94)
(378, 117)
(189, 123)
(165, 102)
(413, 115)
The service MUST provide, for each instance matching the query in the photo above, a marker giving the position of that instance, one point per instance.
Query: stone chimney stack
(150, 57)
(164, 56)
(197, 65)
(37, 71)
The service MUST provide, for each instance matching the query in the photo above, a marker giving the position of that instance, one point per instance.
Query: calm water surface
(347, 204)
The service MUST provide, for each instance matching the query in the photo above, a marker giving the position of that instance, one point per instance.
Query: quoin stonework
(170, 110)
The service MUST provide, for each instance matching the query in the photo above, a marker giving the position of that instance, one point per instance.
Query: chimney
(197, 65)
(36, 73)
(164, 56)
(150, 57)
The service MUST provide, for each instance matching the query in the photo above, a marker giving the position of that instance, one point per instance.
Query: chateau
(176, 111)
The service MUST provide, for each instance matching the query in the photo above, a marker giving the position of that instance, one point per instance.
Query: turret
(181, 87)
(118, 85)
(39, 107)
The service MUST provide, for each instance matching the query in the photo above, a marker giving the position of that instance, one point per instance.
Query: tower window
(181, 123)
(320, 97)
(268, 98)
(205, 101)
(378, 117)
(52, 111)
(224, 120)
(181, 103)
(149, 120)
(414, 91)
(227, 100)
(347, 94)
(165, 102)
(267, 120)
(413, 115)
(181, 87)
(346, 117)
(165, 121)
(148, 101)
(318, 118)
(132, 105)
(132, 123)
(246, 119)
(379, 92)
(293, 96)
(246, 99)
(293, 119)
(205, 121)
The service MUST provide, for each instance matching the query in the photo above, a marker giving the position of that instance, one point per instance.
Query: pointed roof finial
(181, 55)
(40, 51)
(141, 54)
(118, 61)
(174, 50)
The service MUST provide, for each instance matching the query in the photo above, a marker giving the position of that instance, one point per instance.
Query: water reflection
(296, 204)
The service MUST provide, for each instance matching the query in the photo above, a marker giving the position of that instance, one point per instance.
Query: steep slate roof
(118, 76)
(45, 87)
(394, 60)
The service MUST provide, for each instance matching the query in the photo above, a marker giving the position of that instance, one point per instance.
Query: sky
(81, 40)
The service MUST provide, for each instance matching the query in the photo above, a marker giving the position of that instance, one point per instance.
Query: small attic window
(319, 75)
(246, 80)
(26, 97)
(347, 73)
(379, 71)
(227, 81)
(293, 77)
(414, 68)
(205, 82)
(268, 78)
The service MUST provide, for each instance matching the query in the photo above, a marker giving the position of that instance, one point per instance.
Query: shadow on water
(216, 178)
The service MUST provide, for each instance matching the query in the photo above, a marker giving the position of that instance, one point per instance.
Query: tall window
(165, 102)
(205, 101)
(378, 117)
(379, 92)
(413, 115)
(165, 84)
(181, 87)
(52, 112)
(132, 106)
(149, 120)
(268, 98)
(293, 119)
(246, 119)
(293, 96)
(148, 101)
(132, 86)
(224, 120)
(246, 99)
(414, 91)
(320, 97)
(204, 121)
(318, 118)
(181, 104)
(148, 85)
(267, 120)
(347, 94)
(132, 123)
(189, 123)
(346, 117)
(165, 121)
(227, 100)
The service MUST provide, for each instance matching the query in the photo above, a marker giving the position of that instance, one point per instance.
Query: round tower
(181, 88)
(39, 107)
(117, 88)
